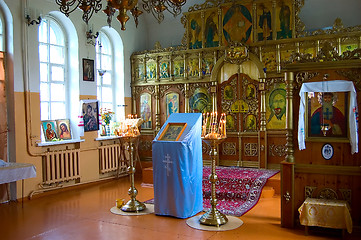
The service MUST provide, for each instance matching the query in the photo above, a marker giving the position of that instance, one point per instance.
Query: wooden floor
(84, 213)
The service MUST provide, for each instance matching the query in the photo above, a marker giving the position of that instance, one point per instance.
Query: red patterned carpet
(237, 190)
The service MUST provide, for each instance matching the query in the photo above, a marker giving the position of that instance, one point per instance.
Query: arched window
(104, 71)
(53, 62)
(1, 35)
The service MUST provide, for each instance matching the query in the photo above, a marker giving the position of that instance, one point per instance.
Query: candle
(210, 122)
(215, 123)
(216, 128)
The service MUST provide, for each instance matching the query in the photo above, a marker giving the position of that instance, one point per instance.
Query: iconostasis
(232, 61)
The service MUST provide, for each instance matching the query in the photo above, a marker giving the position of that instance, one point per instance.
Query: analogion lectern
(177, 166)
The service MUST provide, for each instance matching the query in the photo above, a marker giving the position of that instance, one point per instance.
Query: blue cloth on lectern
(178, 169)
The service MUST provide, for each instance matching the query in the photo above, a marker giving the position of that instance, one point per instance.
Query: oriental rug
(237, 190)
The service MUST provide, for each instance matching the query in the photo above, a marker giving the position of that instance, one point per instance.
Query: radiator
(60, 166)
(110, 156)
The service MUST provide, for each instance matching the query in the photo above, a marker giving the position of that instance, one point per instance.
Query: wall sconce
(90, 36)
(32, 22)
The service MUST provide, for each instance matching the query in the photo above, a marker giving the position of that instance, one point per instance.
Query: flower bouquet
(106, 115)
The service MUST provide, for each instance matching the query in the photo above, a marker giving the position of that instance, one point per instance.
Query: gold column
(254, 19)
(215, 57)
(297, 47)
(262, 134)
(214, 96)
(220, 30)
(339, 46)
(185, 74)
(157, 108)
(158, 69)
(186, 97)
(171, 66)
(133, 70)
(145, 68)
(317, 47)
(200, 75)
(274, 23)
(293, 19)
(278, 58)
(260, 55)
(133, 107)
(134, 102)
(288, 166)
(263, 104)
(202, 35)
(289, 117)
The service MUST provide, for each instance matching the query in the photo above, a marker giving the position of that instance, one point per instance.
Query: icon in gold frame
(172, 132)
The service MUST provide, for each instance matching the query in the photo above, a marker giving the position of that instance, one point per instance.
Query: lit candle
(219, 128)
(210, 123)
(215, 123)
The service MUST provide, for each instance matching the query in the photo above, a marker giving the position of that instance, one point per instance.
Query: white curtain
(330, 86)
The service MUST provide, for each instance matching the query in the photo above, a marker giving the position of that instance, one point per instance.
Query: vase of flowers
(106, 115)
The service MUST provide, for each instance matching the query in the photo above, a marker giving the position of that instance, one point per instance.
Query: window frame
(2, 30)
(99, 79)
(49, 64)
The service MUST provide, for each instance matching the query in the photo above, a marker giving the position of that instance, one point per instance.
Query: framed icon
(172, 103)
(50, 129)
(63, 129)
(88, 70)
(172, 132)
(90, 116)
(146, 110)
(327, 116)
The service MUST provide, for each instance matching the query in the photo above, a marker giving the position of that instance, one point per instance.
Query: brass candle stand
(213, 217)
(213, 133)
(133, 205)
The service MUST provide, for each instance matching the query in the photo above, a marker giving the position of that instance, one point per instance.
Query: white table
(12, 172)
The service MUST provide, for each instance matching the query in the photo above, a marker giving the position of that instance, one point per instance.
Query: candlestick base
(133, 205)
(213, 218)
